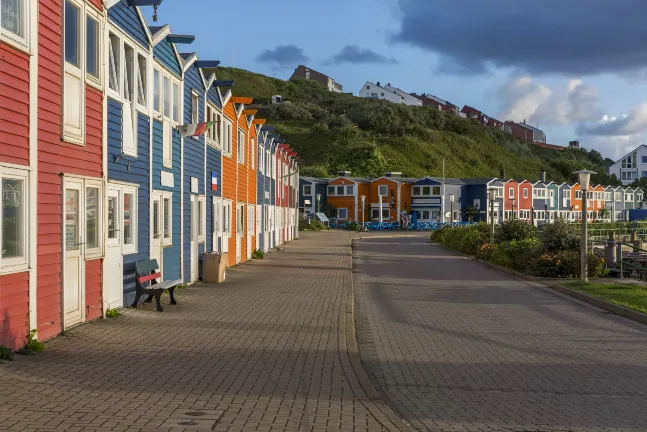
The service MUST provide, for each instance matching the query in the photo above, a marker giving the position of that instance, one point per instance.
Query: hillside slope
(333, 132)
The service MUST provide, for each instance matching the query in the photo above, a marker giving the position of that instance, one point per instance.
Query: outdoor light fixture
(451, 207)
(363, 197)
(585, 178)
(318, 201)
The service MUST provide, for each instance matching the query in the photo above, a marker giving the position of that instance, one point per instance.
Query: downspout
(33, 172)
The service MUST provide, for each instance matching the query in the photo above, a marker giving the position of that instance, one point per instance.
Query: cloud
(574, 37)
(283, 56)
(612, 147)
(355, 55)
(542, 105)
(625, 125)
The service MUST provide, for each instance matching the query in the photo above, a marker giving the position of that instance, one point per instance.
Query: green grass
(333, 132)
(112, 313)
(632, 296)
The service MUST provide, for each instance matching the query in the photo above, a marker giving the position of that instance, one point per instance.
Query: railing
(625, 260)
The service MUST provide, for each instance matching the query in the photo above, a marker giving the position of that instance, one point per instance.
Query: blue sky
(574, 80)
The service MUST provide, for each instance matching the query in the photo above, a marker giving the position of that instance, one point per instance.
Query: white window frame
(241, 145)
(213, 134)
(175, 105)
(22, 43)
(383, 190)
(227, 218)
(251, 219)
(261, 159)
(166, 241)
(202, 222)
(332, 190)
(240, 218)
(96, 81)
(510, 193)
(16, 264)
(195, 107)
(338, 213)
(97, 251)
(130, 248)
(227, 137)
(307, 191)
(525, 192)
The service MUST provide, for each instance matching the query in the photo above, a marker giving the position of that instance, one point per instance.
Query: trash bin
(214, 267)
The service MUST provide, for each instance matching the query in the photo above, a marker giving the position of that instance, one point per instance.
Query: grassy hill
(333, 132)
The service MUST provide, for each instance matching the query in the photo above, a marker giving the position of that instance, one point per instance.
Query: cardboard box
(214, 267)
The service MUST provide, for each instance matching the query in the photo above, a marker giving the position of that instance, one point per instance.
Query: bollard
(610, 249)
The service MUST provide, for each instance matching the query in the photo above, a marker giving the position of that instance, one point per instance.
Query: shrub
(440, 235)
(566, 264)
(5, 353)
(112, 313)
(560, 236)
(515, 229)
(258, 254)
(352, 226)
(514, 254)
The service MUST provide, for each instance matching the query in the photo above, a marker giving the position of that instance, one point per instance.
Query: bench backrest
(146, 267)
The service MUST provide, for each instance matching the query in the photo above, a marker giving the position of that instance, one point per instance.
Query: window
(307, 189)
(510, 193)
(130, 219)
(167, 219)
(416, 191)
(72, 32)
(426, 190)
(129, 84)
(525, 193)
(350, 190)
(195, 100)
(92, 47)
(114, 62)
(142, 78)
(240, 147)
(73, 103)
(13, 219)
(342, 213)
(435, 190)
(156, 219)
(227, 138)
(213, 133)
(167, 97)
(331, 190)
(157, 91)
(643, 159)
(226, 217)
(578, 194)
(14, 21)
(202, 219)
(340, 190)
(261, 160)
(176, 102)
(567, 194)
(618, 196)
(92, 220)
(375, 214)
(240, 218)
(250, 220)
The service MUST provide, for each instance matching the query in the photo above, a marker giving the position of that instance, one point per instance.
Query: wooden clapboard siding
(229, 172)
(165, 54)
(55, 158)
(14, 106)
(14, 309)
(127, 19)
(214, 161)
(194, 163)
(252, 179)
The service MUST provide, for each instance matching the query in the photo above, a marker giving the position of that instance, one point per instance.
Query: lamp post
(491, 196)
(513, 211)
(451, 207)
(318, 203)
(363, 198)
(585, 177)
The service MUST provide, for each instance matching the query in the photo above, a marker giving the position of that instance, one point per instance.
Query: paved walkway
(264, 351)
(456, 346)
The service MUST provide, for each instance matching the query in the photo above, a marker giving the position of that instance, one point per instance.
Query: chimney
(344, 173)
(378, 84)
(502, 174)
(542, 176)
(393, 174)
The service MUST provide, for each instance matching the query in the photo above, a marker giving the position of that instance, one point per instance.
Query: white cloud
(541, 105)
(633, 123)
(613, 147)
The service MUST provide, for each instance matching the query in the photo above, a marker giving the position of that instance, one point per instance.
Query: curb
(351, 363)
(602, 304)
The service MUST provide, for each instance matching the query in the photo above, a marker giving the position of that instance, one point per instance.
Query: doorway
(113, 264)
(73, 274)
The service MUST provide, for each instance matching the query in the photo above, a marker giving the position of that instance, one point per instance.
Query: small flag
(195, 129)
(214, 181)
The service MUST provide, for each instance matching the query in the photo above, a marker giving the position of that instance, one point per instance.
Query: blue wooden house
(433, 200)
(129, 111)
(312, 195)
(553, 204)
(166, 174)
(476, 195)
(540, 197)
(266, 187)
(565, 210)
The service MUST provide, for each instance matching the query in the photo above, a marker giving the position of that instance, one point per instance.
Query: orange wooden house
(396, 197)
(343, 196)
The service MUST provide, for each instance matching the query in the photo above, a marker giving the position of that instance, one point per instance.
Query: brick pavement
(455, 346)
(264, 351)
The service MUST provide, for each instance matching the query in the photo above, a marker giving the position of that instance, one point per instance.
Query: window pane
(176, 102)
(167, 219)
(128, 75)
(156, 219)
(112, 218)
(167, 97)
(340, 190)
(13, 17)
(426, 190)
(194, 108)
(92, 217)
(128, 225)
(114, 53)
(349, 190)
(71, 33)
(142, 88)
(12, 215)
(200, 230)
(92, 47)
(71, 219)
(156, 90)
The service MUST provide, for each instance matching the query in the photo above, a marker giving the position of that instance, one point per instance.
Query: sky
(575, 68)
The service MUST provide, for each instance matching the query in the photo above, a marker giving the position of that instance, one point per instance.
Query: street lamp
(585, 177)
(363, 197)
(513, 212)
(451, 207)
(491, 196)
(318, 203)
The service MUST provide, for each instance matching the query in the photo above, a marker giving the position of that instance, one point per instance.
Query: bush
(5, 353)
(516, 229)
(566, 264)
(440, 235)
(352, 226)
(258, 254)
(514, 254)
(560, 236)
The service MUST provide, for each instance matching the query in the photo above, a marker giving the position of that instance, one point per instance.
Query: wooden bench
(147, 275)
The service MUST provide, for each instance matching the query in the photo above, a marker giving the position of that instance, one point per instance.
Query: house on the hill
(432, 101)
(311, 74)
(525, 132)
(372, 90)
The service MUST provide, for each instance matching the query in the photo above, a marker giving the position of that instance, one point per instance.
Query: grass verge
(632, 296)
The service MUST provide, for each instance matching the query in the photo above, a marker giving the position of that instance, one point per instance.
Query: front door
(195, 211)
(73, 274)
(259, 226)
(240, 226)
(216, 212)
(113, 264)
(250, 229)
(158, 228)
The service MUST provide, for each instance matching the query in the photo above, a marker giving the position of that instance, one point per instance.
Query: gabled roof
(632, 151)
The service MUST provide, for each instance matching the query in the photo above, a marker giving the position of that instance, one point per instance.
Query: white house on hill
(631, 166)
(372, 90)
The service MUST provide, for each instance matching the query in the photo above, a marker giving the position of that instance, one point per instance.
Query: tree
(596, 157)
(470, 213)
(604, 213)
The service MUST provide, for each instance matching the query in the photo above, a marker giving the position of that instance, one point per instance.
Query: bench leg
(149, 299)
(170, 293)
(138, 295)
(158, 296)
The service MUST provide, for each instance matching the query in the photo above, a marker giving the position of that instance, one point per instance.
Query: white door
(73, 275)
(240, 225)
(158, 227)
(194, 237)
(226, 231)
(216, 214)
(259, 226)
(250, 230)
(113, 264)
